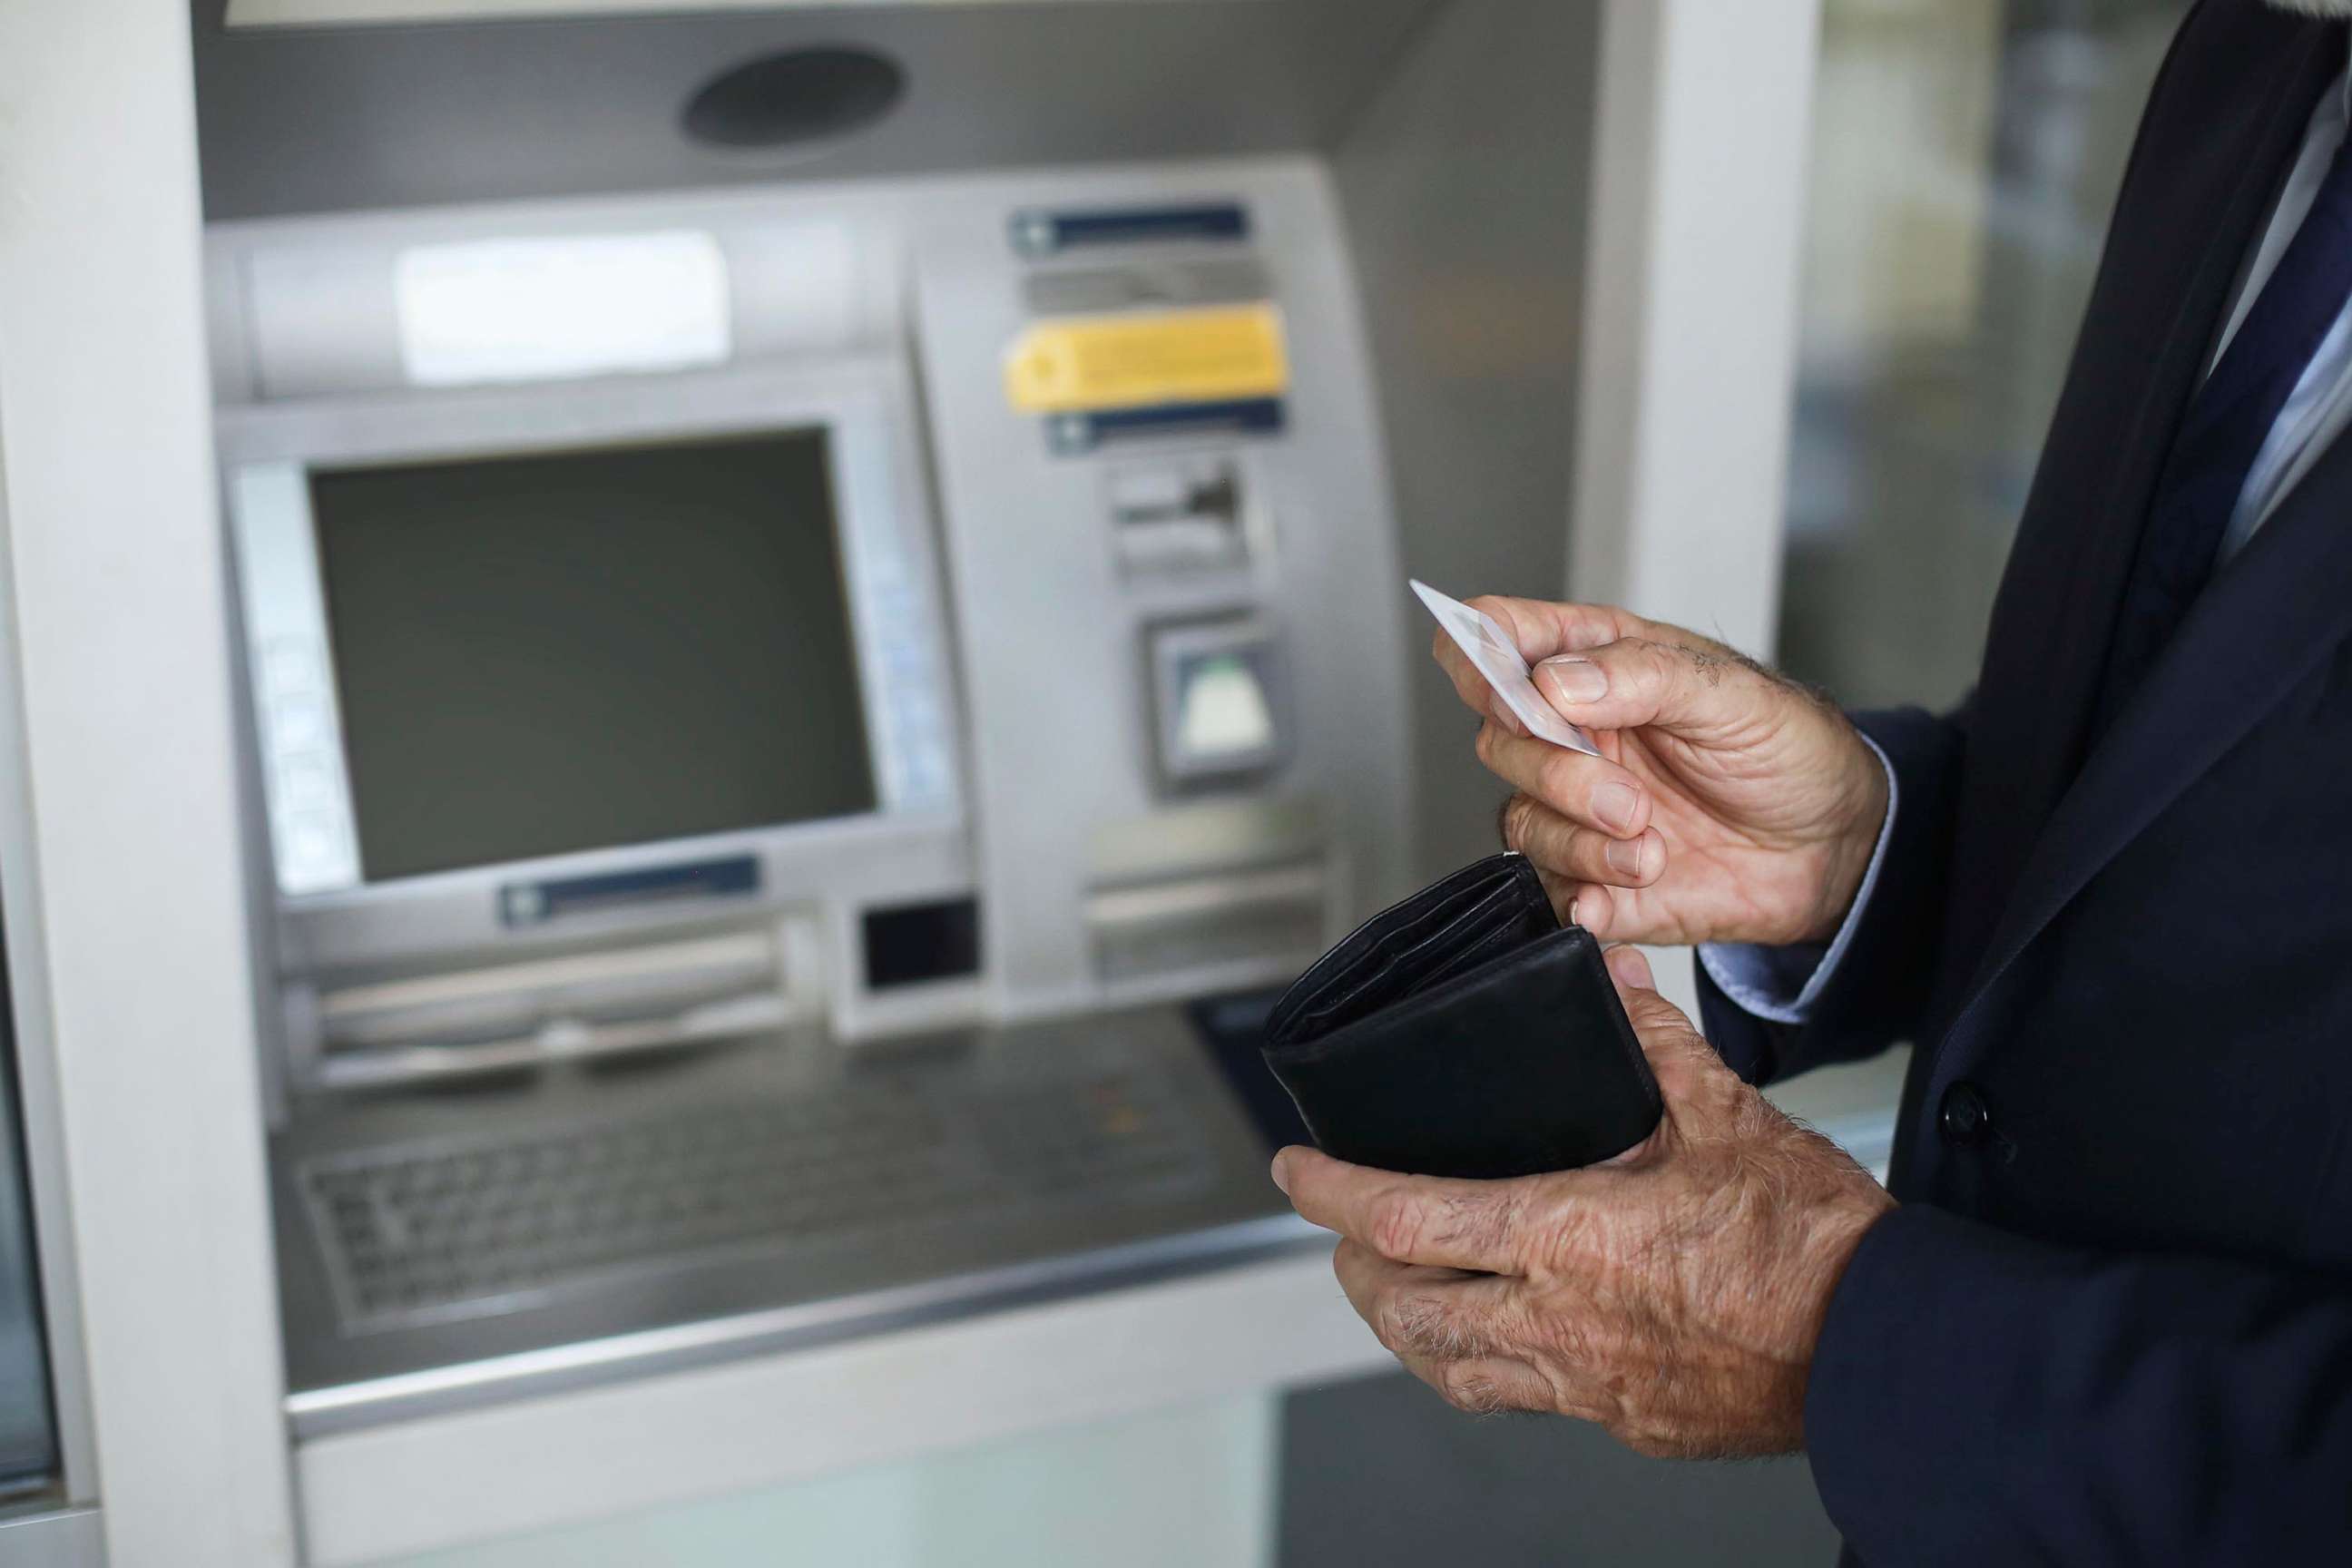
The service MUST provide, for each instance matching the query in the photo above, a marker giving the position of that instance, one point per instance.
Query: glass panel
(1966, 155)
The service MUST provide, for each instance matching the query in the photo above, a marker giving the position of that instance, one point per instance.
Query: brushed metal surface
(346, 1371)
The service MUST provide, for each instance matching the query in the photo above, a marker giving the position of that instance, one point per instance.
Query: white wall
(110, 503)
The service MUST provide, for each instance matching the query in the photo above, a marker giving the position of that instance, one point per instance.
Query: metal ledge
(441, 1390)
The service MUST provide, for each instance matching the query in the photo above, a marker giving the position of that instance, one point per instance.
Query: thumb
(1693, 689)
(1678, 1053)
(1637, 988)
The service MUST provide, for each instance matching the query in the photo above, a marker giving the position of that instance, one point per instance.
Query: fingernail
(1572, 677)
(1280, 1180)
(1625, 855)
(1628, 965)
(1615, 804)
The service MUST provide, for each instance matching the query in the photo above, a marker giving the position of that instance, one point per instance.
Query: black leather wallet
(1464, 1032)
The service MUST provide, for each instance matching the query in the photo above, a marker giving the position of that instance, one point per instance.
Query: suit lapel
(2267, 620)
(2225, 124)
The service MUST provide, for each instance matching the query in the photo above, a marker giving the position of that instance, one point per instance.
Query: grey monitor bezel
(336, 918)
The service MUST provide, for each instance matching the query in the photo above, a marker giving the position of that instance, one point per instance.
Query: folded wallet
(1464, 1032)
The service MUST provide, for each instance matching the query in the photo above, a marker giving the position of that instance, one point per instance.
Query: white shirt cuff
(1781, 983)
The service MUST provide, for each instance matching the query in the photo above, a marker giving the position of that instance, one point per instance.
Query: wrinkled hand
(1673, 1295)
(1728, 805)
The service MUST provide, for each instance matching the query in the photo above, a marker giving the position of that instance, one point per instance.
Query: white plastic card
(1497, 659)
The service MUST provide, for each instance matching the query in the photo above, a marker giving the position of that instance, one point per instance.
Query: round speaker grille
(795, 96)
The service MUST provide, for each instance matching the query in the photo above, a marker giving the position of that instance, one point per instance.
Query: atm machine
(780, 620)
(818, 605)
(790, 730)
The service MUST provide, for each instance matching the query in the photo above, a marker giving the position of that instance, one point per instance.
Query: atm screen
(540, 653)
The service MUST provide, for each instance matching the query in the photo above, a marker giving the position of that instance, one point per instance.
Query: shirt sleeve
(1780, 984)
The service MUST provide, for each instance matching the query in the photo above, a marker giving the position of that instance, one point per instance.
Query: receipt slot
(1218, 701)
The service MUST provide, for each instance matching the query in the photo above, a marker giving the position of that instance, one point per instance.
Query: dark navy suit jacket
(2112, 1321)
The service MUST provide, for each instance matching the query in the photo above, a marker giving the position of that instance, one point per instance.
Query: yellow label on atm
(1138, 361)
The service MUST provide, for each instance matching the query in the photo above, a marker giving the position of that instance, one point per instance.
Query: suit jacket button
(1962, 1117)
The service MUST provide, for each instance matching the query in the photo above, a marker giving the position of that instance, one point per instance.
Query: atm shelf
(445, 1250)
(417, 1234)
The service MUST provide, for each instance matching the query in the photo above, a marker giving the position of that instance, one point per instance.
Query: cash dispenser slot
(500, 1018)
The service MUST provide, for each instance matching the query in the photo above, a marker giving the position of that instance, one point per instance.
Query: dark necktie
(2228, 421)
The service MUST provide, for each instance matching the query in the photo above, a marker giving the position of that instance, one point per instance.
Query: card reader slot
(1179, 514)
